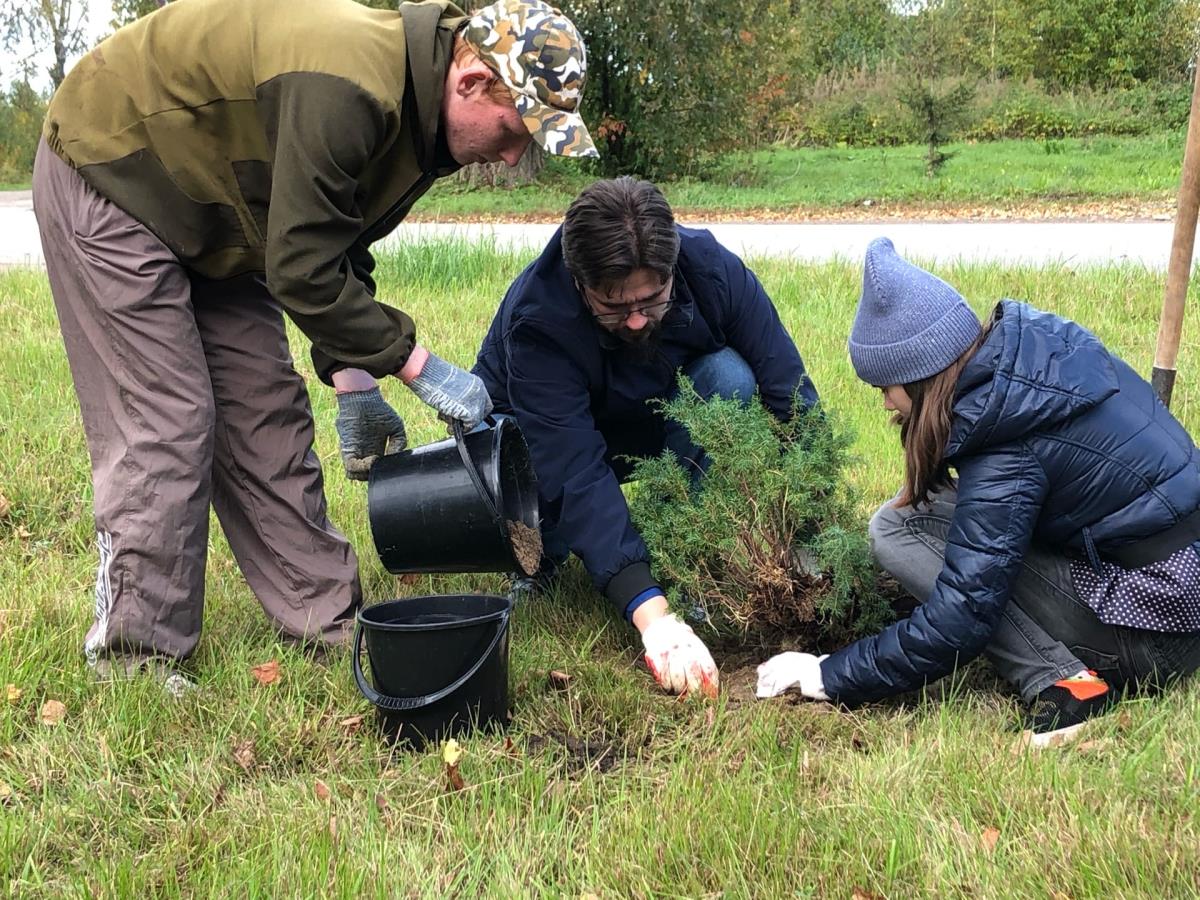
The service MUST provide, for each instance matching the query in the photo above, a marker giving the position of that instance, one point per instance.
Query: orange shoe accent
(1083, 688)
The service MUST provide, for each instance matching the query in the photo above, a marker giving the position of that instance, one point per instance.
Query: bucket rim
(484, 618)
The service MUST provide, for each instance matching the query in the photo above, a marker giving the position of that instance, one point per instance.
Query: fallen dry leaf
(243, 755)
(13, 693)
(452, 752)
(5, 792)
(53, 712)
(351, 723)
(23, 533)
(322, 791)
(1089, 746)
(559, 680)
(5, 506)
(381, 803)
(989, 838)
(267, 673)
(407, 579)
(333, 827)
(863, 894)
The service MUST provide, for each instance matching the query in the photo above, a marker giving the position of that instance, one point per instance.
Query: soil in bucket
(438, 664)
(468, 504)
(526, 545)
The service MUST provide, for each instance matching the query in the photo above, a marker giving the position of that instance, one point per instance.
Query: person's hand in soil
(676, 658)
(792, 669)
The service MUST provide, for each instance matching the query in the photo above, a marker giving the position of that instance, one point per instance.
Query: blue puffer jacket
(1055, 441)
(568, 383)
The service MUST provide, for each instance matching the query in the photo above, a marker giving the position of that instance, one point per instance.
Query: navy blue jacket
(566, 381)
(1056, 442)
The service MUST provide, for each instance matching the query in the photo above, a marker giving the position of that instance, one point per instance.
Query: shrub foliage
(770, 537)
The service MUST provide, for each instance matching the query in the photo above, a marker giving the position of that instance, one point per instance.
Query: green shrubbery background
(675, 86)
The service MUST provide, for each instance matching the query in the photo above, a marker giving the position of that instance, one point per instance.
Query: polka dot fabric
(1163, 596)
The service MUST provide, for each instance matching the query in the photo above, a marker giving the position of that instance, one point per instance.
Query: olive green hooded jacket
(266, 136)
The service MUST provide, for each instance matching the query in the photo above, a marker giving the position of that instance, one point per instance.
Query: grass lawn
(609, 788)
(780, 182)
(1000, 173)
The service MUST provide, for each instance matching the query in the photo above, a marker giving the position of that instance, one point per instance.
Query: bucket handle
(402, 704)
(484, 493)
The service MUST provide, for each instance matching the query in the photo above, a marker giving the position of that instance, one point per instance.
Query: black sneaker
(522, 587)
(1060, 711)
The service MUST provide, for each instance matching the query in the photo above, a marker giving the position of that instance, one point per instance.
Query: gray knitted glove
(454, 392)
(367, 428)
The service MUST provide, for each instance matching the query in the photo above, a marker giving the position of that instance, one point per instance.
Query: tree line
(674, 85)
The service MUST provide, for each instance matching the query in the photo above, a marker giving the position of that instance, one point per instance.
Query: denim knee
(886, 529)
(722, 374)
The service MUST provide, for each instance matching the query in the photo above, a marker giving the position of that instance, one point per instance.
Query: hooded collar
(429, 30)
(1033, 371)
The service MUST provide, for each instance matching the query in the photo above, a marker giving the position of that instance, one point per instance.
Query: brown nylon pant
(189, 397)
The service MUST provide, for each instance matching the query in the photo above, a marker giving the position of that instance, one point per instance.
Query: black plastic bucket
(439, 664)
(449, 506)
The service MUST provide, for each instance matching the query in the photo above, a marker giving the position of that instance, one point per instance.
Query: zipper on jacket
(383, 223)
(1093, 554)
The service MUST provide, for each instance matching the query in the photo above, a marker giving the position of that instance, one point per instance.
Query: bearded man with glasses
(593, 331)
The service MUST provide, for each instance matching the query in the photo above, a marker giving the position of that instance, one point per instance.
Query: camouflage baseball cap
(540, 56)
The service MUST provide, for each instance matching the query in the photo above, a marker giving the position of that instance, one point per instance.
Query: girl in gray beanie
(1067, 549)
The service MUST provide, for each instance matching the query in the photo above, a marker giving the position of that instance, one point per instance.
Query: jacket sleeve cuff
(834, 681)
(632, 580)
(632, 606)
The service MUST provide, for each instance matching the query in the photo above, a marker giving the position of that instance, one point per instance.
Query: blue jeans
(722, 374)
(1046, 632)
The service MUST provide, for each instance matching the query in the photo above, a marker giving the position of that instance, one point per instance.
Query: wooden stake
(1179, 269)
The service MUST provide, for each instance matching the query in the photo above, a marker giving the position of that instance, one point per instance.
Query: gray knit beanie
(910, 324)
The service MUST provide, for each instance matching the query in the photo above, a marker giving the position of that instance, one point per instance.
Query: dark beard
(640, 346)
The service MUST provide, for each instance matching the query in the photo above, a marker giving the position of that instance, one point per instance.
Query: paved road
(1047, 243)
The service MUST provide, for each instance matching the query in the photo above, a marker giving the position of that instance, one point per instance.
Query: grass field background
(780, 181)
(609, 788)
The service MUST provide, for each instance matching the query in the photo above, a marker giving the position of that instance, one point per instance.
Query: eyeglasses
(653, 310)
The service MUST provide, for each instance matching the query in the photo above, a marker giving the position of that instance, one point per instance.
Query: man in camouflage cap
(218, 163)
(539, 55)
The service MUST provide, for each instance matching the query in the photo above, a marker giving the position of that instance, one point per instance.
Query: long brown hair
(925, 431)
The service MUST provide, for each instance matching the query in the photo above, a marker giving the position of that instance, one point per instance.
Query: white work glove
(678, 659)
(781, 672)
(454, 392)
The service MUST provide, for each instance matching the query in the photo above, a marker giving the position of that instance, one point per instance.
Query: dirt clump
(526, 544)
(740, 684)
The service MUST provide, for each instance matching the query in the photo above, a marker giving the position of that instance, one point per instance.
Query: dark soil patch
(738, 685)
(739, 670)
(582, 753)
